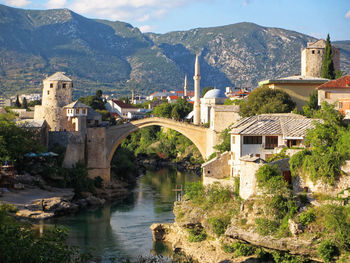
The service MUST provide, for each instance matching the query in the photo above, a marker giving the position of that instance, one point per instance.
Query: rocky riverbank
(37, 200)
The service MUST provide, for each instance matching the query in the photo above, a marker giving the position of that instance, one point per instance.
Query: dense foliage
(266, 100)
(330, 147)
(19, 243)
(95, 101)
(177, 110)
(311, 106)
(15, 141)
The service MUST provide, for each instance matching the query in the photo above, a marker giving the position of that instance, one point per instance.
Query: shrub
(196, 234)
(218, 194)
(327, 250)
(307, 217)
(265, 226)
(270, 179)
(279, 257)
(219, 225)
(296, 161)
(195, 191)
(242, 250)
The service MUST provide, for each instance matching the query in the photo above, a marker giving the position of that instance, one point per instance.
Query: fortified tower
(57, 93)
(312, 57)
(197, 78)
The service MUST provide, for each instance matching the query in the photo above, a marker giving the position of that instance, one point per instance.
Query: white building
(211, 98)
(263, 135)
(120, 108)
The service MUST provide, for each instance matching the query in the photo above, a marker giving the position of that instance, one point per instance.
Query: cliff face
(117, 57)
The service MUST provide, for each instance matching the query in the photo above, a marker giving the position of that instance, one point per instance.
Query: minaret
(185, 86)
(197, 78)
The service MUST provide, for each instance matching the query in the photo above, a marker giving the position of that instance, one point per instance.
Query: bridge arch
(116, 134)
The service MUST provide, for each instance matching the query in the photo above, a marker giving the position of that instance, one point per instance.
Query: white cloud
(146, 28)
(347, 15)
(138, 10)
(17, 3)
(56, 3)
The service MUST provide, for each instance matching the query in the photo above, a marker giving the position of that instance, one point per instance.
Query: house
(4, 102)
(299, 88)
(264, 135)
(172, 98)
(336, 91)
(120, 108)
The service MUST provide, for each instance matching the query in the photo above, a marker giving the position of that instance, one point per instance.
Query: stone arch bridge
(102, 142)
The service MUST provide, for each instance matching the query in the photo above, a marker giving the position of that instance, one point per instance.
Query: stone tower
(312, 56)
(57, 93)
(197, 78)
(185, 86)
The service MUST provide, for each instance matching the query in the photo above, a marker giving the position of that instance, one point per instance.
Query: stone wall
(218, 167)
(302, 183)
(247, 182)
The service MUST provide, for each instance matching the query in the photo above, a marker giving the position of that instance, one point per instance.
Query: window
(327, 95)
(318, 52)
(271, 142)
(233, 139)
(252, 140)
(77, 111)
(313, 51)
(51, 85)
(64, 85)
(84, 111)
(48, 92)
(257, 155)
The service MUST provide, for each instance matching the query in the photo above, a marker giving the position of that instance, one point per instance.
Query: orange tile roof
(173, 97)
(341, 83)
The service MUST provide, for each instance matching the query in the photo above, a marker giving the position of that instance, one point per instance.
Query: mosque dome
(214, 94)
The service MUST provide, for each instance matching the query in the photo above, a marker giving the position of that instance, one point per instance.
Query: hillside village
(255, 142)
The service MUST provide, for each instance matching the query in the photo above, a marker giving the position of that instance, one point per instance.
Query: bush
(265, 226)
(196, 234)
(219, 225)
(327, 250)
(242, 250)
(307, 217)
(270, 179)
(195, 191)
(218, 194)
(239, 249)
(296, 161)
(279, 257)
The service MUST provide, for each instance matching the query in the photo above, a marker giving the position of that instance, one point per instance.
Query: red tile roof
(123, 105)
(173, 97)
(341, 83)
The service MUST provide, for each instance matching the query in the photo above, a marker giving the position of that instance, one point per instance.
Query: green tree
(311, 106)
(205, 90)
(96, 102)
(328, 70)
(17, 103)
(163, 110)
(24, 103)
(266, 100)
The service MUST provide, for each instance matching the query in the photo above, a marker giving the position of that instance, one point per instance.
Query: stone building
(312, 56)
(57, 93)
(211, 98)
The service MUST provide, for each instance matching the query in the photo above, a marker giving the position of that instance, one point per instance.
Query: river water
(121, 231)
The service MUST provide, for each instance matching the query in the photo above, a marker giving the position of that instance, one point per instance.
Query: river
(121, 231)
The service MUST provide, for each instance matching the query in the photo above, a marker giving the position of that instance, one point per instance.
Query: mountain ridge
(116, 57)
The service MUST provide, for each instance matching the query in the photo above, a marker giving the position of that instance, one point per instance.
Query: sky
(312, 17)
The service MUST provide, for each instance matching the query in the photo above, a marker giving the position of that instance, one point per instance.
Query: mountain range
(117, 57)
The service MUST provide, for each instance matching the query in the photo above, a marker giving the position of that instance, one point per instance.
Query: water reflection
(122, 231)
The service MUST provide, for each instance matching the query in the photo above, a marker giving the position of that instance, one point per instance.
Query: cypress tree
(24, 103)
(328, 70)
(17, 103)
